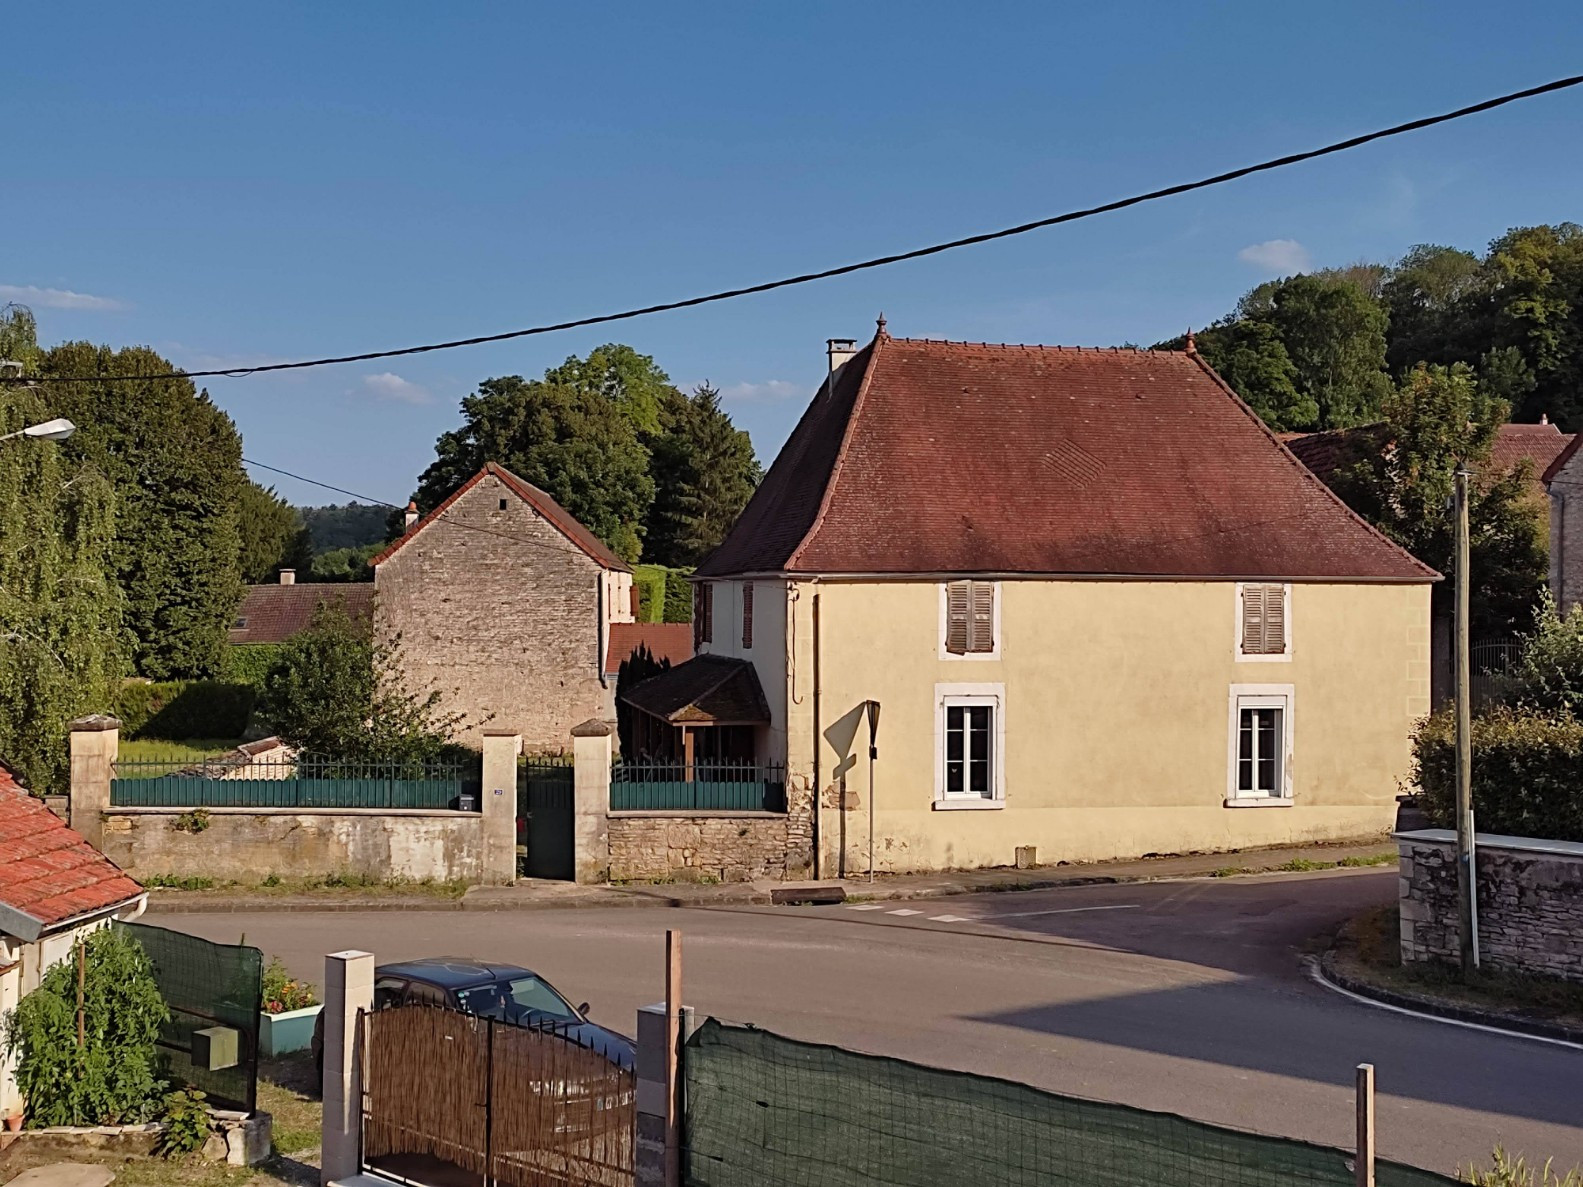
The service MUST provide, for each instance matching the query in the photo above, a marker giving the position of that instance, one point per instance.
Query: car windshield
(517, 999)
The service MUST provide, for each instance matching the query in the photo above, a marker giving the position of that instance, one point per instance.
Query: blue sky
(237, 184)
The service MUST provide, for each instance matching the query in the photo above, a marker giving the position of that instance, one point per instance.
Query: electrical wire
(862, 265)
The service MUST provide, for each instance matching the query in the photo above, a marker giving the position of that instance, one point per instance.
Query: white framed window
(1264, 621)
(1259, 758)
(970, 620)
(970, 746)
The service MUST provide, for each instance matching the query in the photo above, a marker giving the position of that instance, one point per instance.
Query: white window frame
(945, 622)
(1236, 640)
(1260, 696)
(968, 695)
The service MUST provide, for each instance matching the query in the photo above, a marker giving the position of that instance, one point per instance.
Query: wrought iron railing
(707, 785)
(272, 781)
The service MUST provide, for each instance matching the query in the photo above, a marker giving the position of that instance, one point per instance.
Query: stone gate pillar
(95, 741)
(501, 748)
(591, 756)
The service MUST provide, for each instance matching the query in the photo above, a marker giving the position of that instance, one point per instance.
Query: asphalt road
(1188, 997)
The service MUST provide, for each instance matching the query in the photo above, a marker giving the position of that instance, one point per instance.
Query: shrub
(1550, 672)
(1527, 772)
(678, 595)
(282, 991)
(177, 709)
(186, 1124)
(650, 582)
(114, 1078)
(249, 663)
(1506, 1172)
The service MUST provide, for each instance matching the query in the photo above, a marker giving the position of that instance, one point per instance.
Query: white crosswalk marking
(906, 911)
(865, 906)
(950, 919)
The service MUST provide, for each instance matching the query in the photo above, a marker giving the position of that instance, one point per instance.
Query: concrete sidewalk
(539, 894)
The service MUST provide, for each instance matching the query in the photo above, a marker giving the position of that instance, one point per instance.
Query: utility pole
(1467, 866)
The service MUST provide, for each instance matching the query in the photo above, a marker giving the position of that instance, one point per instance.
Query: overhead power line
(1070, 216)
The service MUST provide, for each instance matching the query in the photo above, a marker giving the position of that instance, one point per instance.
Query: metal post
(872, 709)
(1467, 865)
(1363, 1165)
(82, 984)
(673, 1042)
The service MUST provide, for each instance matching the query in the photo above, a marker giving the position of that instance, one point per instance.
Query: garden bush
(678, 595)
(650, 582)
(115, 1077)
(249, 663)
(177, 709)
(1527, 772)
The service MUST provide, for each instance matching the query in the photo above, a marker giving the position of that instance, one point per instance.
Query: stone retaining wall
(727, 846)
(1530, 895)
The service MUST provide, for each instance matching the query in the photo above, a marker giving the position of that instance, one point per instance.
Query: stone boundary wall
(726, 846)
(248, 844)
(1530, 899)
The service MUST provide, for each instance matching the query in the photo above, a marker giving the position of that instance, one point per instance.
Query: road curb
(1326, 968)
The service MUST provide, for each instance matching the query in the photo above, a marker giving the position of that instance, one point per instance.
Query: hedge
(249, 663)
(1527, 773)
(176, 710)
(678, 596)
(649, 581)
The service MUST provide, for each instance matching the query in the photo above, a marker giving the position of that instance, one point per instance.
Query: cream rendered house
(1102, 610)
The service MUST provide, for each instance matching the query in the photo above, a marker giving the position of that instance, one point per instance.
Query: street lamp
(51, 430)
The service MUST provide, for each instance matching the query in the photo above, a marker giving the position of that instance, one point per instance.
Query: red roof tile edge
(561, 519)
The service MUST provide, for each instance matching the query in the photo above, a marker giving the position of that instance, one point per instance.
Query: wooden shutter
(1263, 620)
(703, 613)
(747, 614)
(957, 598)
(981, 626)
(636, 598)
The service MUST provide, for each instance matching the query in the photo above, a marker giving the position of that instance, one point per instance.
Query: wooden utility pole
(82, 985)
(1363, 1165)
(673, 1044)
(1467, 881)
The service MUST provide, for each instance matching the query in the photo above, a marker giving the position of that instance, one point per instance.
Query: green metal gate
(544, 819)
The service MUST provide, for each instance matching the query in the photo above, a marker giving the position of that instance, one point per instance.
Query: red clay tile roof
(274, 613)
(1539, 445)
(48, 873)
(949, 457)
(560, 518)
(671, 641)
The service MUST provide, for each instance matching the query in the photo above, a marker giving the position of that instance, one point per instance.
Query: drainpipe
(599, 627)
(818, 787)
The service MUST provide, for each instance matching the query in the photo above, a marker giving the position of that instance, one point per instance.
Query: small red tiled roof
(672, 641)
(559, 518)
(274, 613)
(1542, 446)
(951, 457)
(48, 873)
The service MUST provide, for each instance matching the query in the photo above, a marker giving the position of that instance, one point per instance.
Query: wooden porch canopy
(704, 709)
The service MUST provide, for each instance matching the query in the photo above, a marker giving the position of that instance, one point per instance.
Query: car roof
(453, 972)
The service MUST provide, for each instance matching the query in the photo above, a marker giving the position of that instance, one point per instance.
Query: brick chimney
(288, 576)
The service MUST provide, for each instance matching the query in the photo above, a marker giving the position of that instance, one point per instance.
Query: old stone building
(505, 604)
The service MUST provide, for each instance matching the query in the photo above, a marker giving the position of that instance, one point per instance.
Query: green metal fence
(207, 985)
(765, 1111)
(709, 785)
(272, 782)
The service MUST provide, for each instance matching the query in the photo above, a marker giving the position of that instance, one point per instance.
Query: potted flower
(290, 1008)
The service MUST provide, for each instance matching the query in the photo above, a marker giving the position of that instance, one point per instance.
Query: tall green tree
(704, 473)
(1249, 355)
(1401, 478)
(628, 379)
(1334, 334)
(271, 533)
(175, 461)
(1422, 295)
(63, 647)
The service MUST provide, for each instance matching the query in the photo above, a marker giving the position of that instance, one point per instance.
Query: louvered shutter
(1263, 620)
(957, 600)
(1274, 620)
(703, 613)
(747, 614)
(981, 627)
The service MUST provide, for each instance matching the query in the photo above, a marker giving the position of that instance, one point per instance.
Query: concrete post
(591, 755)
(501, 749)
(95, 741)
(348, 988)
(651, 1091)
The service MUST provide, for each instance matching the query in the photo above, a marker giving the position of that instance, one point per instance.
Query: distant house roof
(953, 457)
(706, 690)
(671, 641)
(49, 875)
(274, 613)
(556, 515)
(1541, 445)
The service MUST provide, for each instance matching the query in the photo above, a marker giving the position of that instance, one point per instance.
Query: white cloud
(387, 385)
(768, 392)
(1282, 256)
(37, 298)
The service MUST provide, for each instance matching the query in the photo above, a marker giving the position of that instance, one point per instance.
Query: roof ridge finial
(1192, 345)
(879, 326)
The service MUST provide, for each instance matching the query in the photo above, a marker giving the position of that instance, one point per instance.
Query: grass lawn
(160, 750)
(1368, 949)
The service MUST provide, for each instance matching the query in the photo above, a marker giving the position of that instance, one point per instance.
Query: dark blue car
(505, 992)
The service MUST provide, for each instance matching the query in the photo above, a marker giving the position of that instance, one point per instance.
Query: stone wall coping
(95, 722)
(1446, 836)
(592, 728)
(691, 814)
(168, 810)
